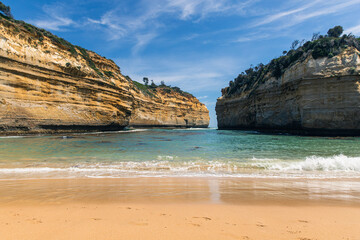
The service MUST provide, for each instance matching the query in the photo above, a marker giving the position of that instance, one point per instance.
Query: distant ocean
(178, 153)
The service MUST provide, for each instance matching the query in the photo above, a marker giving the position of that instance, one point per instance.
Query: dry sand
(152, 218)
(178, 221)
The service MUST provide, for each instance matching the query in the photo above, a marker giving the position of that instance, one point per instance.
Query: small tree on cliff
(153, 85)
(295, 44)
(335, 31)
(6, 10)
(146, 81)
(315, 36)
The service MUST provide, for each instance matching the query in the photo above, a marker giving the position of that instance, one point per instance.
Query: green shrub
(143, 88)
(109, 73)
(335, 32)
(6, 10)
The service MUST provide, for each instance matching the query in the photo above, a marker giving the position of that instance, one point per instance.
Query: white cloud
(202, 8)
(252, 37)
(354, 30)
(202, 97)
(54, 20)
(271, 18)
(307, 11)
(191, 37)
(53, 24)
(143, 24)
(326, 10)
(142, 41)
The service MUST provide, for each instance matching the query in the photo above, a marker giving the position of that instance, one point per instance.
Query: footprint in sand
(303, 221)
(196, 225)
(34, 220)
(205, 218)
(96, 219)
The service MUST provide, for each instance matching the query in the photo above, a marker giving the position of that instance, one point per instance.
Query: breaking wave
(170, 166)
(314, 163)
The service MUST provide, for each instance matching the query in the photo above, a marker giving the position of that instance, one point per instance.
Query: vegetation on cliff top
(320, 46)
(6, 10)
(151, 89)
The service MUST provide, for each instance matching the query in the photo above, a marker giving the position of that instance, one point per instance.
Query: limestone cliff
(165, 106)
(47, 85)
(312, 96)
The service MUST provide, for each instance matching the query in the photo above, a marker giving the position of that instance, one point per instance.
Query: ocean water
(178, 153)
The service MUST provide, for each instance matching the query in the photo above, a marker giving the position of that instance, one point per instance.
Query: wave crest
(315, 163)
(327, 167)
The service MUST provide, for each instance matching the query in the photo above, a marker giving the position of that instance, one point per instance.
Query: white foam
(193, 129)
(12, 137)
(121, 131)
(338, 166)
(314, 163)
(165, 157)
(84, 133)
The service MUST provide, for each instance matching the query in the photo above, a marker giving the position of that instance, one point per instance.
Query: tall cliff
(313, 94)
(48, 84)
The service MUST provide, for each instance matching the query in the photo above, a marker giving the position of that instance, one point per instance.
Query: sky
(197, 45)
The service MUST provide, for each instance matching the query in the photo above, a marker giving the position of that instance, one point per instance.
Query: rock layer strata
(48, 87)
(169, 109)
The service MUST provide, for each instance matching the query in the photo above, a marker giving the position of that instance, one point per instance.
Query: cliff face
(47, 84)
(319, 96)
(169, 108)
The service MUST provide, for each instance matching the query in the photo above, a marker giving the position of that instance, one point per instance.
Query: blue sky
(198, 45)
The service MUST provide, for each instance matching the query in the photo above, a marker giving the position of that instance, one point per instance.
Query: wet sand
(166, 208)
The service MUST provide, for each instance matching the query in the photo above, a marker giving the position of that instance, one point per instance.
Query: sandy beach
(179, 120)
(173, 209)
(178, 221)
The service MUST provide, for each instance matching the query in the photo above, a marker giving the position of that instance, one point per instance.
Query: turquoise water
(178, 153)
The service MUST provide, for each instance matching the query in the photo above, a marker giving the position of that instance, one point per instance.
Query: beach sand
(174, 209)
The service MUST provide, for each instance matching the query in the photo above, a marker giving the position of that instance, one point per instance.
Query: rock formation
(49, 85)
(166, 107)
(312, 96)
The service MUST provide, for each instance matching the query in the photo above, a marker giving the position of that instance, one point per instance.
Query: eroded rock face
(319, 97)
(168, 109)
(45, 87)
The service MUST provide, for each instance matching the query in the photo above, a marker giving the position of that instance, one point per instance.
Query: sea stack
(312, 90)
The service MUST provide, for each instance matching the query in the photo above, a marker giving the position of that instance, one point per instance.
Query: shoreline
(194, 190)
(306, 132)
(265, 131)
(44, 132)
